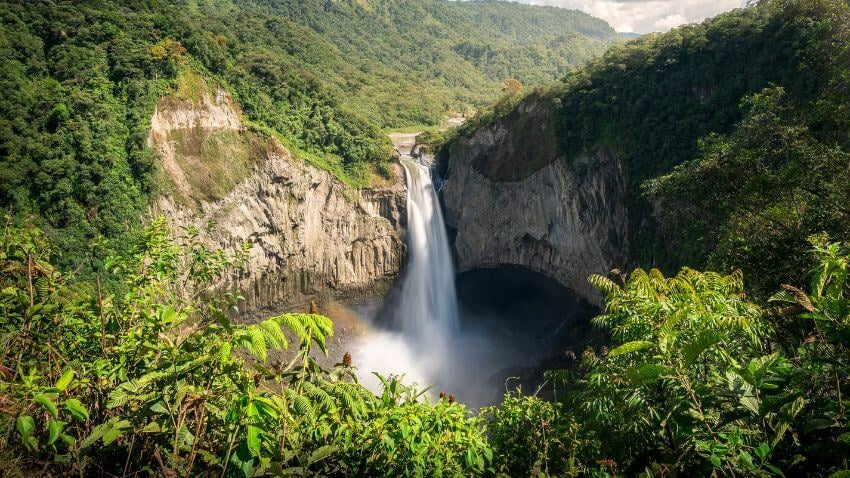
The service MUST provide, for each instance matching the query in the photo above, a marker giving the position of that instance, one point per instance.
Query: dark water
(520, 300)
(526, 322)
(514, 323)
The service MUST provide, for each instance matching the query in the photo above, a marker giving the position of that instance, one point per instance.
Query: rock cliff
(514, 201)
(312, 234)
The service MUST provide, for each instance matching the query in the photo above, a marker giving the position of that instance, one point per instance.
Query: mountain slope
(409, 61)
(81, 81)
(732, 136)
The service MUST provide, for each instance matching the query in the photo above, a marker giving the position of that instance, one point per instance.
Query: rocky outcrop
(311, 234)
(514, 201)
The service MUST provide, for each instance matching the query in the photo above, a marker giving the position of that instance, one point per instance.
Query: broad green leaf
(108, 432)
(55, 428)
(630, 347)
(68, 439)
(64, 380)
(700, 344)
(817, 424)
(31, 443)
(152, 427)
(715, 461)
(47, 404)
(76, 409)
(112, 435)
(745, 392)
(26, 425)
(645, 373)
(253, 440)
(776, 471)
(321, 453)
(762, 451)
(159, 407)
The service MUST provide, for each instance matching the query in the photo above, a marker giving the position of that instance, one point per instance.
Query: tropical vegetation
(156, 379)
(733, 135)
(119, 354)
(81, 80)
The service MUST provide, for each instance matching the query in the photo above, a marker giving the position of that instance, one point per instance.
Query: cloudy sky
(644, 16)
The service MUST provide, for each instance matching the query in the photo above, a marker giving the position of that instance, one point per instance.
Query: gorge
(508, 319)
(422, 238)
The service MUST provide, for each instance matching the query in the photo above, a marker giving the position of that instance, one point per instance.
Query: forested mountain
(731, 142)
(412, 61)
(728, 141)
(80, 81)
(733, 135)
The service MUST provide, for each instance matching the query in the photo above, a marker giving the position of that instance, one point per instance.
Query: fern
(274, 335)
(630, 347)
(254, 341)
(646, 373)
(704, 341)
(319, 397)
(296, 323)
(604, 284)
(299, 404)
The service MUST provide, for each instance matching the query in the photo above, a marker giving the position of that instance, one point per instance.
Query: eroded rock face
(563, 220)
(312, 234)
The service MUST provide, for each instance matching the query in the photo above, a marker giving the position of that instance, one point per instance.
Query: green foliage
(408, 437)
(701, 381)
(156, 378)
(80, 82)
(733, 136)
(404, 62)
(752, 103)
(79, 94)
(532, 438)
(773, 181)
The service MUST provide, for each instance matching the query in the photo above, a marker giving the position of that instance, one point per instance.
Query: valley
(422, 238)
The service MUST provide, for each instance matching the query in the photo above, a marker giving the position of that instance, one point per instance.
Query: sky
(645, 16)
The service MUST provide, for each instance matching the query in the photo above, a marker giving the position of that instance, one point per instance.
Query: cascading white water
(428, 312)
(427, 346)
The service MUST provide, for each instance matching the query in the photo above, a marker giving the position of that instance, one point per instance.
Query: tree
(512, 87)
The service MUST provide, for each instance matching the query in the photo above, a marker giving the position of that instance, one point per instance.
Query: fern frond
(603, 284)
(274, 334)
(630, 347)
(295, 323)
(704, 340)
(319, 397)
(299, 404)
(646, 373)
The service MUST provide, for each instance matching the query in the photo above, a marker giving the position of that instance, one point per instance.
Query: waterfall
(428, 312)
(423, 345)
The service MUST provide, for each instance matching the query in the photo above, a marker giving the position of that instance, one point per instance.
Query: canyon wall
(312, 235)
(515, 201)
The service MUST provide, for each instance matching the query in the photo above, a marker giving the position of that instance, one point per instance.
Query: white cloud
(645, 16)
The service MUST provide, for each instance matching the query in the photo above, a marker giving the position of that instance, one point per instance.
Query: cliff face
(515, 202)
(312, 234)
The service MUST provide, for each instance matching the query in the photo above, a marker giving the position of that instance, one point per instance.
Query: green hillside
(735, 139)
(733, 134)
(405, 62)
(80, 82)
